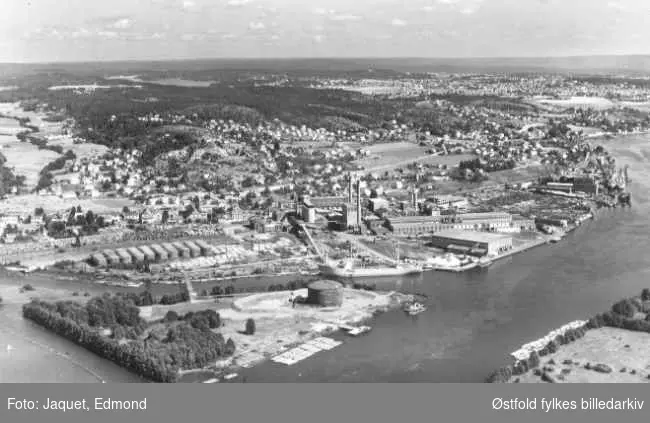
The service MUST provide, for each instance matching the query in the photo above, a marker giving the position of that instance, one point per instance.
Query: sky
(90, 30)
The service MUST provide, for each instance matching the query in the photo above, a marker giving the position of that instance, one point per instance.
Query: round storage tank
(325, 293)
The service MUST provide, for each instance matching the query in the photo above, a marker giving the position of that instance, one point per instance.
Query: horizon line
(240, 58)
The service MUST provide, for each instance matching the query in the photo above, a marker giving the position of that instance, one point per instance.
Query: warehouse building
(99, 260)
(149, 254)
(477, 221)
(183, 251)
(206, 249)
(111, 257)
(195, 251)
(472, 242)
(161, 253)
(413, 225)
(125, 257)
(136, 254)
(172, 253)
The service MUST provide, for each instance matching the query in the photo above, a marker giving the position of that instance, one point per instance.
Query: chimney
(359, 203)
(350, 187)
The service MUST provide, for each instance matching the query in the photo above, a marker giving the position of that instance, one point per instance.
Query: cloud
(80, 33)
(398, 22)
(237, 3)
(318, 38)
(228, 36)
(109, 35)
(275, 37)
(428, 8)
(322, 11)
(615, 5)
(345, 18)
(191, 37)
(122, 23)
(447, 1)
(188, 4)
(256, 26)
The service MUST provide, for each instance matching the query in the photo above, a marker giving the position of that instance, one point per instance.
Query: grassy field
(626, 353)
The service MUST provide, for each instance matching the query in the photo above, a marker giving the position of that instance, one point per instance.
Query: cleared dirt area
(613, 356)
(278, 324)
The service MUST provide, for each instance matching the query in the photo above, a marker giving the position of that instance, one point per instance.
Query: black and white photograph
(324, 191)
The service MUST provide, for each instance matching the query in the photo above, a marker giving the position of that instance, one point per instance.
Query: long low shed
(172, 252)
(124, 256)
(161, 253)
(111, 257)
(183, 251)
(148, 252)
(206, 249)
(195, 251)
(137, 255)
(99, 259)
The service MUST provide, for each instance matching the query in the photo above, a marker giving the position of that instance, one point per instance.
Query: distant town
(474, 169)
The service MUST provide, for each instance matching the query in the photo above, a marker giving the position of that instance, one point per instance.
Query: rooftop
(474, 236)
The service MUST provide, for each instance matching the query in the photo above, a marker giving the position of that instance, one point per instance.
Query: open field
(26, 159)
(52, 203)
(82, 150)
(577, 102)
(392, 155)
(626, 353)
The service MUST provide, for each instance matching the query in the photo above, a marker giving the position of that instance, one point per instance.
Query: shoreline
(629, 316)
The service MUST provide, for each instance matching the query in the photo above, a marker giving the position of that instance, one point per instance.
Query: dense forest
(111, 327)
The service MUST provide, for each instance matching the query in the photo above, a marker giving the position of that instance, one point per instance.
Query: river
(474, 319)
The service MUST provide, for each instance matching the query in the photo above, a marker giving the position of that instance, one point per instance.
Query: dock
(306, 350)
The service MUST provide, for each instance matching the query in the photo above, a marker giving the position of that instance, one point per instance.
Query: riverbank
(279, 326)
(601, 345)
(604, 355)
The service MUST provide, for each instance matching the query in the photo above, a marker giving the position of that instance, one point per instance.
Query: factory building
(445, 202)
(477, 221)
(472, 242)
(161, 253)
(566, 187)
(413, 225)
(586, 185)
(326, 203)
(376, 204)
(308, 212)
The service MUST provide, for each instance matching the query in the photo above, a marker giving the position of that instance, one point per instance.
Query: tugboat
(414, 308)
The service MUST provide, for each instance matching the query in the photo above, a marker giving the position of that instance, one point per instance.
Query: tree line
(629, 313)
(156, 352)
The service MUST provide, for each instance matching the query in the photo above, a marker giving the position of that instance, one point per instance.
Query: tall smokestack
(358, 203)
(350, 187)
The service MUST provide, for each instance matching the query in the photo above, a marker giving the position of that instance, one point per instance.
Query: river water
(474, 320)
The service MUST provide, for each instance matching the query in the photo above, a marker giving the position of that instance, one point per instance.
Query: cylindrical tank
(325, 293)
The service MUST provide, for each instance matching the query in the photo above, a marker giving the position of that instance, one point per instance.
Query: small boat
(484, 262)
(230, 376)
(414, 308)
(360, 330)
